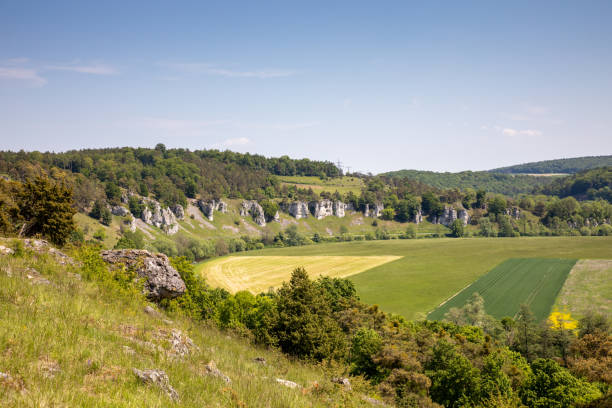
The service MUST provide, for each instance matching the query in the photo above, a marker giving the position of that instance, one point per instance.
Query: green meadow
(430, 271)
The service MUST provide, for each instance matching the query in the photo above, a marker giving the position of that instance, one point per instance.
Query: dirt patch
(305, 225)
(286, 222)
(235, 230)
(141, 225)
(251, 229)
(357, 221)
(194, 211)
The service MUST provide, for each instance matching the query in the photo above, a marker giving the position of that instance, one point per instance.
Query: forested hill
(573, 165)
(590, 184)
(508, 184)
(170, 174)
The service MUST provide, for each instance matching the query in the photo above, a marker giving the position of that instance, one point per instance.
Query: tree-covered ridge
(572, 165)
(590, 184)
(492, 182)
(170, 174)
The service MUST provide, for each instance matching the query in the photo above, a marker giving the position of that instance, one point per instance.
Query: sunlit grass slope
(259, 273)
(64, 345)
(432, 270)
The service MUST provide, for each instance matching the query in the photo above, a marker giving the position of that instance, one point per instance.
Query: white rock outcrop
(446, 218)
(321, 209)
(162, 218)
(298, 209)
(339, 208)
(178, 211)
(119, 210)
(210, 206)
(513, 212)
(464, 216)
(418, 217)
(375, 211)
(251, 207)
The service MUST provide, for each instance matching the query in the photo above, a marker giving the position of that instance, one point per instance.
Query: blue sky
(443, 86)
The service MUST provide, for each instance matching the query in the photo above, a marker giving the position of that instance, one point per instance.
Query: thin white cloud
(171, 125)
(538, 110)
(211, 69)
(282, 127)
(240, 141)
(94, 69)
(28, 75)
(524, 132)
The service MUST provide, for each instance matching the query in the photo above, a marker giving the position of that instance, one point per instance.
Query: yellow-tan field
(259, 273)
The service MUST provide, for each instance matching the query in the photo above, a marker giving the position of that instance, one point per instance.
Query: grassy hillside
(432, 270)
(495, 183)
(535, 282)
(573, 165)
(74, 342)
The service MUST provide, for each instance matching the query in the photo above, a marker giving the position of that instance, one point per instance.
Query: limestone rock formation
(375, 211)
(277, 217)
(162, 218)
(464, 216)
(513, 212)
(339, 208)
(210, 206)
(178, 211)
(253, 208)
(321, 209)
(446, 218)
(298, 209)
(119, 210)
(161, 279)
(418, 217)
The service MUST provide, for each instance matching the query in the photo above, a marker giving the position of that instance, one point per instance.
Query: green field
(535, 281)
(341, 184)
(432, 270)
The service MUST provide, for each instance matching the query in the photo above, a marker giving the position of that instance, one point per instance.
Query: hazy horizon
(441, 87)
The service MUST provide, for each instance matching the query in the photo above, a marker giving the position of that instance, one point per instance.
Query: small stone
(158, 378)
(211, 369)
(260, 360)
(6, 251)
(343, 381)
(151, 312)
(287, 383)
(128, 350)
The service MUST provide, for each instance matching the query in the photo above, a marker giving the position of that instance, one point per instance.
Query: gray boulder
(161, 279)
(157, 378)
(119, 210)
